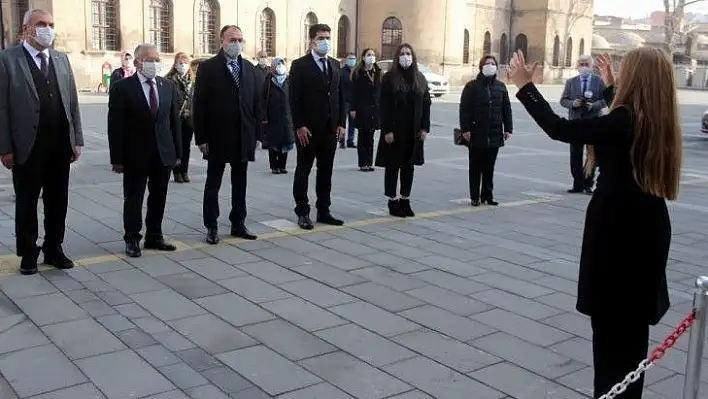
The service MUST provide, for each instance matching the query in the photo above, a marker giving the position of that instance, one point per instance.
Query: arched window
(503, 50)
(104, 25)
(19, 8)
(391, 37)
(208, 27)
(487, 45)
(569, 52)
(581, 47)
(522, 43)
(161, 25)
(343, 27)
(267, 31)
(310, 19)
(556, 51)
(466, 47)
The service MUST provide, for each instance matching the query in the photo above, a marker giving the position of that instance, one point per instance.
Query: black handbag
(457, 137)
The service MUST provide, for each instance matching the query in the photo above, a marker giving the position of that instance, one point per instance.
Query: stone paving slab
(458, 302)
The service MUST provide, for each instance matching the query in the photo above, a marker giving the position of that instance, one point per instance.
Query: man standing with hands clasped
(319, 115)
(583, 98)
(144, 138)
(40, 136)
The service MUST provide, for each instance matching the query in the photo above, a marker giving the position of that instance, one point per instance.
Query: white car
(437, 84)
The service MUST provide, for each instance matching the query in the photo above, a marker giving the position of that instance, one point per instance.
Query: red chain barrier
(658, 353)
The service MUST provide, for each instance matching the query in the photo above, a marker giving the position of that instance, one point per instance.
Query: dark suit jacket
(315, 103)
(19, 102)
(133, 133)
(627, 231)
(215, 101)
(573, 90)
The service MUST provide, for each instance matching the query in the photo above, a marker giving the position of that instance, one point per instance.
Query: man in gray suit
(40, 136)
(583, 98)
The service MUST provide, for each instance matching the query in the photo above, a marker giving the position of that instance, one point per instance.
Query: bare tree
(674, 28)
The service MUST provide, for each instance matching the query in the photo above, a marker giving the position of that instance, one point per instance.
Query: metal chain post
(696, 340)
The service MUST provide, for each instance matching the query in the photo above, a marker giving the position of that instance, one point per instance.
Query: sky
(638, 8)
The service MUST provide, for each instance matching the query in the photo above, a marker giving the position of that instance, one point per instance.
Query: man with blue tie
(583, 98)
(144, 138)
(227, 114)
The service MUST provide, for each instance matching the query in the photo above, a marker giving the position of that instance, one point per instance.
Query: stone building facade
(449, 36)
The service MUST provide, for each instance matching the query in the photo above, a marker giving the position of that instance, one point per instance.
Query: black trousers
(278, 160)
(48, 172)
(577, 169)
(321, 149)
(365, 147)
(239, 179)
(618, 345)
(187, 133)
(481, 172)
(155, 178)
(391, 176)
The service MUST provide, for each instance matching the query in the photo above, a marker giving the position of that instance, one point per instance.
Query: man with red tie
(144, 138)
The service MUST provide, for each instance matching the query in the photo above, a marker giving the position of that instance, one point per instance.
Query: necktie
(235, 72)
(153, 98)
(324, 68)
(584, 85)
(43, 66)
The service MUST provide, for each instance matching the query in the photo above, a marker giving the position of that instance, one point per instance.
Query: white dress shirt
(33, 52)
(317, 58)
(146, 88)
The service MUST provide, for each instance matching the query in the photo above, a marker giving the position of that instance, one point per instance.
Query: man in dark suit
(227, 111)
(582, 96)
(144, 138)
(319, 114)
(40, 135)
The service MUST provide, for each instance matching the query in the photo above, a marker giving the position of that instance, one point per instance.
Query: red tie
(153, 98)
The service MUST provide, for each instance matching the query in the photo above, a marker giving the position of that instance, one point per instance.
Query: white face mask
(233, 49)
(489, 70)
(182, 68)
(405, 61)
(44, 36)
(280, 70)
(370, 59)
(127, 63)
(262, 61)
(150, 69)
(323, 46)
(585, 70)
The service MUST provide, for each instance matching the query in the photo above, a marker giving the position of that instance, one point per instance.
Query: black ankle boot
(405, 205)
(394, 208)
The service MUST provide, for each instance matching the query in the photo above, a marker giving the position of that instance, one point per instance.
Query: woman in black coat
(638, 146)
(485, 122)
(182, 76)
(366, 91)
(278, 131)
(405, 123)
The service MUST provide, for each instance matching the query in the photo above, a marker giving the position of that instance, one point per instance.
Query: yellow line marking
(10, 263)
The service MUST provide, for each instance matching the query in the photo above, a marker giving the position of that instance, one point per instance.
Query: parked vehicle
(437, 84)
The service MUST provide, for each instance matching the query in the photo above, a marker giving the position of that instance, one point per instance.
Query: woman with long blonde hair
(638, 147)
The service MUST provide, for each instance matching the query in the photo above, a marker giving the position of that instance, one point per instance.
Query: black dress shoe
(283, 171)
(28, 265)
(132, 249)
(370, 169)
(305, 222)
(58, 259)
(406, 208)
(394, 208)
(327, 218)
(178, 177)
(475, 202)
(588, 190)
(212, 237)
(242, 232)
(275, 171)
(159, 244)
(490, 202)
(185, 177)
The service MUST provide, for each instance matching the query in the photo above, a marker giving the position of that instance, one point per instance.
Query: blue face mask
(351, 62)
(280, 79)
(323, 46)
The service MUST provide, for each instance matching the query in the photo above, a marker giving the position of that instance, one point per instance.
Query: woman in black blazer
(405, 123)
(366, 90)
(638, 147)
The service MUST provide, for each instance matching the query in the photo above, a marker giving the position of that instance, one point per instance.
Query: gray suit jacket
(573, 90)
(19, 102)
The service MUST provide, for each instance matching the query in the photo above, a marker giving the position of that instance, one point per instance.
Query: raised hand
(604, 64)
(520, 73)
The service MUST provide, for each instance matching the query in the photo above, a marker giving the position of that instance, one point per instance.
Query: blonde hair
(649, 91)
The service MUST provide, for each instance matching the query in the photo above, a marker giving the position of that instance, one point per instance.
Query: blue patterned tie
(584, 85)
(235, 72)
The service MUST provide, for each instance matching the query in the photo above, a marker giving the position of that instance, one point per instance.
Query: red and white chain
(656, 354)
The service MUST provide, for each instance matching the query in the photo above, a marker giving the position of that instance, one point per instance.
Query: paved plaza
(459, 302)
